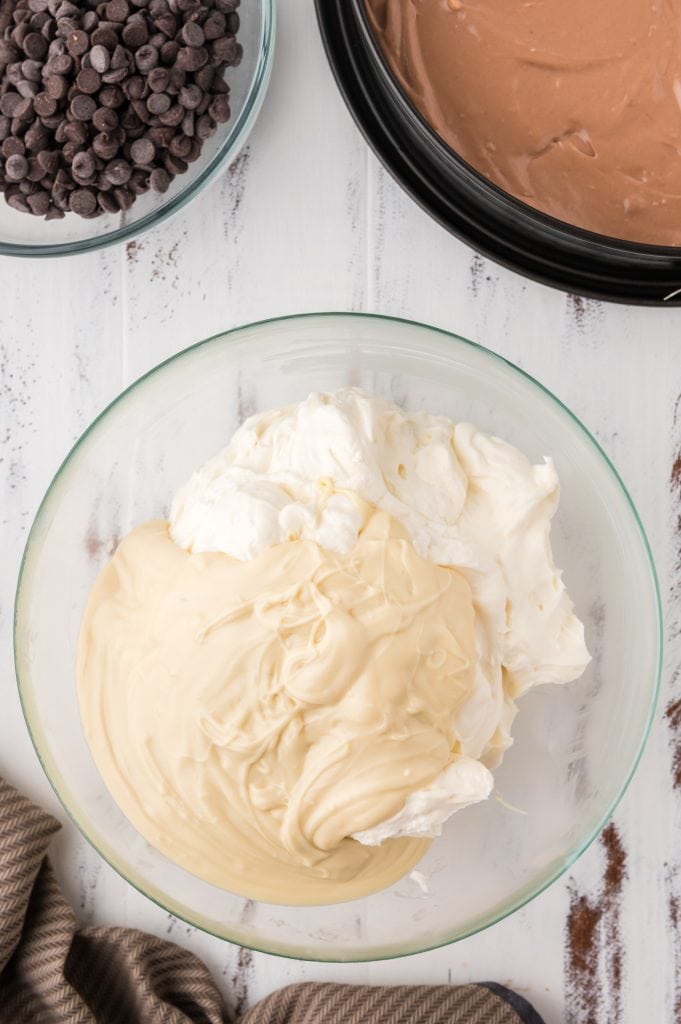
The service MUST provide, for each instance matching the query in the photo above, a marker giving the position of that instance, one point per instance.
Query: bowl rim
(239, 130)
(526, 895)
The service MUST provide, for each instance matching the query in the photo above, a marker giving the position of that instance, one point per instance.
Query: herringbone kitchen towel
(51, 973)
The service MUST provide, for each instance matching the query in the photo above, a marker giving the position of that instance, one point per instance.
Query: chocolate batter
(573, 107)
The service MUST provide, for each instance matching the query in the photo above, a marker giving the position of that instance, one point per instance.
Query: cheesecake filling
(249, 717)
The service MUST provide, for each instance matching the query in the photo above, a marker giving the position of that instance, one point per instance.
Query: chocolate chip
(56, 87)
(39, 20)
(191, 58)
(16, 167)
(83, 202)
(124, 197)
(190, 96)
(205, 127)
(180, 146)
(70, 150)
(159, 180)
(100, 58)
(88, 81)
(105, 145)
(117, 10)
(188, 124)
(108, 203)
(66, 10)
(129, 122)
(8, 52)
(19, 34)
(9, 103)
(172, 117)
(204, 77)
(89, 21)
(13, 74)
(35, 46)
(27, 89)
(76, 132)
(49, 161)
(105, 120)
(105, 37)
(23, 109)
(32, 70)
(223, 49)
(169, 52)
(118, 172)
(49, 31)
(167, 26)
(35, 171)
(120, 58)
(77, 42)
(159, 79)
(192, 34)
(178, 78)
(18, 202)
(141, 110)
(143, 151)
(219, 109)
(115, 76)
(60, 64)
(44, 104)
(111, 96)
(174, 165)
(214, 26)
(159, 103)
(139, 183)
(53, 122)
(135, 34)
(161, 135)
(37, 136)
(83, 166)
(83, 107)
(146, 58)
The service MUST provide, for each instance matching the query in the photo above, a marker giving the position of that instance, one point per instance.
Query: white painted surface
(308, 220)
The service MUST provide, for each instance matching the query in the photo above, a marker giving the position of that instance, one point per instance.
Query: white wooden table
(308, 220)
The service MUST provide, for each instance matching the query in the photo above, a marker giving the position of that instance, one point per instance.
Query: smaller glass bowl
(575, 746)
(24, 235)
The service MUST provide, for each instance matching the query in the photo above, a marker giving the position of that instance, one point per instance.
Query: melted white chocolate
(249, 717)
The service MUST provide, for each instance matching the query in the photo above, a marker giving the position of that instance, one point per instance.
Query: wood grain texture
(308, 220)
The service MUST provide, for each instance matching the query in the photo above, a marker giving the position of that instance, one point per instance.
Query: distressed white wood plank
(60, 363)
(281, 232)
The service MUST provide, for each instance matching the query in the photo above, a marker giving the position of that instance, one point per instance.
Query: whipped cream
(467, 500)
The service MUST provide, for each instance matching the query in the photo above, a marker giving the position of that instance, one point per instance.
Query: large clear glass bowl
(24, 235)
(575, 746)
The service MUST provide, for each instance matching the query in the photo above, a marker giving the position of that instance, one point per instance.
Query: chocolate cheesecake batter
(574, 108)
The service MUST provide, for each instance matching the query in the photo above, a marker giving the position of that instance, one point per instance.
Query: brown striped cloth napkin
(53, 973)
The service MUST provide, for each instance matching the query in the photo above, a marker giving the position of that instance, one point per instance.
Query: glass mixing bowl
(575, 746)
(24, 235)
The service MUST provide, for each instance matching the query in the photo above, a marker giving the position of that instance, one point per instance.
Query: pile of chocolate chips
(101, 101)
